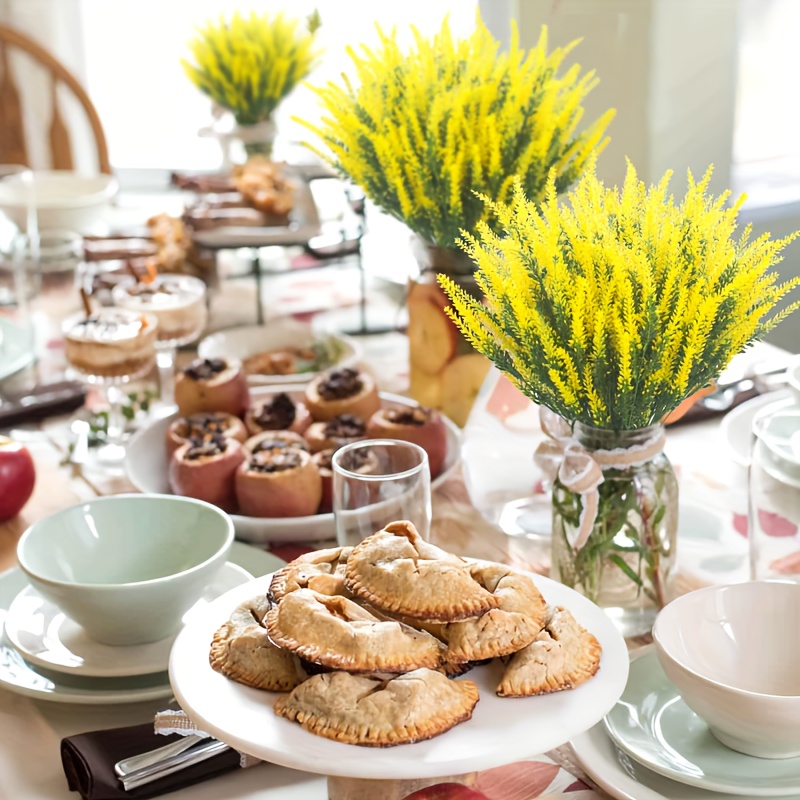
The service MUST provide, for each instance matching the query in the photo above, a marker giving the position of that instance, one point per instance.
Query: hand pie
(503, 630)
(340, 634)
(398, 572)
(242, 651)
(562, 656)
(320, 570)
(369, 711)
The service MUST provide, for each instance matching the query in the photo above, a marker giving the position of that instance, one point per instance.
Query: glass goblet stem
(165, 359)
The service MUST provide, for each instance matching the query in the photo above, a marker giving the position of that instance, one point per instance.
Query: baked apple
(419, 425)
(205, 468)
(335, 433)
(323, 461)
(282, 482)
(278, 413)
(196, 426)
(269, 440)
(212, 384)
(342, 391)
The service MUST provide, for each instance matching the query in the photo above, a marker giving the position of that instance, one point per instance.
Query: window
(150, 110)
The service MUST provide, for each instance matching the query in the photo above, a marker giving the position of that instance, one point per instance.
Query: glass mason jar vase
(626, 563)
(445, 371)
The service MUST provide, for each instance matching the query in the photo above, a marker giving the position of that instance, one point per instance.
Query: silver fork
(133, 763)
(174, 763)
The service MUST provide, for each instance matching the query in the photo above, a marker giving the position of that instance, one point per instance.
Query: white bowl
(126, 568)
(241, 343)
(732, 652)
(64, 200)
(146, 464)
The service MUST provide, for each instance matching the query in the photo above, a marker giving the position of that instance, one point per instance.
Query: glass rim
(340, 470)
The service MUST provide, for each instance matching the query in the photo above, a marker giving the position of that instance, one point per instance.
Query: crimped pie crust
(378, 713)
(241, 650)
(562, 656)
(338, 633)
(321, 570)
(397, 571)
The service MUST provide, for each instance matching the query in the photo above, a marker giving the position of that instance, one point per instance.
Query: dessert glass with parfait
(111, 347)
(178, 302)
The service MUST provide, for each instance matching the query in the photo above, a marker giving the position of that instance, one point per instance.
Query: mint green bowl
(126, 568)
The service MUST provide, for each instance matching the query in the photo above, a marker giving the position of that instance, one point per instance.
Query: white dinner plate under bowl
(502, 729)
(737, 425)
(45, 636)
(31, 680)
(146, 465)
(623, 777)
(241, 343)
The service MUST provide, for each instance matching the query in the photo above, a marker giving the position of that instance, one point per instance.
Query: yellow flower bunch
(422, 129)
(249, 64)
(613, 308)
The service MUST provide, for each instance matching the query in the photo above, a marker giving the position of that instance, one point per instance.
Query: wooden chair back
(13, 146)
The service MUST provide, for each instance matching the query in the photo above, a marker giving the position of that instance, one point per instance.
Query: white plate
(655, 727)
(16, 348)
(146, 465)
(623, 777)
(45, 636)
(737, 425)
(248, 341)
(501, 731)
(34, 681)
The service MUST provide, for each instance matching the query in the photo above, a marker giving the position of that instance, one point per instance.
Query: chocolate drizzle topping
(276, 414)
(339, 384)
(408, 416)
(345, 426)
(276, 460)
(197, 425)
(203, 369)
(211, 444)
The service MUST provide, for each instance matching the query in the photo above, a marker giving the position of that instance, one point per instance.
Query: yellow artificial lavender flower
(421, 130)
(612, 308)
(249, 64)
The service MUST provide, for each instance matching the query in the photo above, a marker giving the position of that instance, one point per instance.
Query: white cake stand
(501, 731)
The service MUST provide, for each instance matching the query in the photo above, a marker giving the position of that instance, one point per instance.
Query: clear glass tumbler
(377, 481)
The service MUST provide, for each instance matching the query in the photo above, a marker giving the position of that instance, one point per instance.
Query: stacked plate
(652, 746)
(45, 655)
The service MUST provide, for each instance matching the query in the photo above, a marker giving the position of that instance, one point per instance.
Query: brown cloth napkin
(89, 758)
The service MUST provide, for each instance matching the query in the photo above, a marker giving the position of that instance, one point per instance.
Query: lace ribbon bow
(580, 471)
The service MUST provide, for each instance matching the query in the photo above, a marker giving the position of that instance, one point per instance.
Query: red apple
(278, 413)
(335, 433)
(342, 391)
(422, 426)
(278, 483)
(446, 791)
(323, 461)
(205, 469)
(184, 428)
(269, 440)
(212, 384)
(17, 477)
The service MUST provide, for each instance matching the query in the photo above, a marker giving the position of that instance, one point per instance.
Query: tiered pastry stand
(501, 731)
